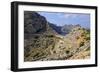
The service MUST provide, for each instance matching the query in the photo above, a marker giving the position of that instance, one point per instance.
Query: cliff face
(35, 23)
(44, 41)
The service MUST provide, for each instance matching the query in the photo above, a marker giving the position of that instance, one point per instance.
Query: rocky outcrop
(34, 23)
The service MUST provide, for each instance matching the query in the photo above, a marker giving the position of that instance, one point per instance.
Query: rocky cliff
(34, 23)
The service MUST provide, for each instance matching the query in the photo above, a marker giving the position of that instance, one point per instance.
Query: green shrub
(67, 51)
(54, 51)
(50, 35)
(81, 44)
(36, 37)
(87, 38)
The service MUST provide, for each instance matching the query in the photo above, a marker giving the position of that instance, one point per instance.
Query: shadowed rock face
(34, 23)
(44, 41)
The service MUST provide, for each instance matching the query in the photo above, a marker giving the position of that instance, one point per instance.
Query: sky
(61, 18)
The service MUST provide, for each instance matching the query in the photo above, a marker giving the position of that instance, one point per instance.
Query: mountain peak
(34, 23)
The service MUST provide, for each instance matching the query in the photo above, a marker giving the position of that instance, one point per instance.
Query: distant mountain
(68, 28)
(56, 28)
(63, 30)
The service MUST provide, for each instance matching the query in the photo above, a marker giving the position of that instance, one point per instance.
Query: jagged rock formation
(36, 24)
(67, 28)
(43, 41)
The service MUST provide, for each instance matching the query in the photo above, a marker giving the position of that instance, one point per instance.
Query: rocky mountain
(63, 30)
(34, 23)
(44, 41)
(56, 28)
(68, 28)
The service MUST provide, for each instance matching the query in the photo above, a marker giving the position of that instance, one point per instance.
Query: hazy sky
(67, 18)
